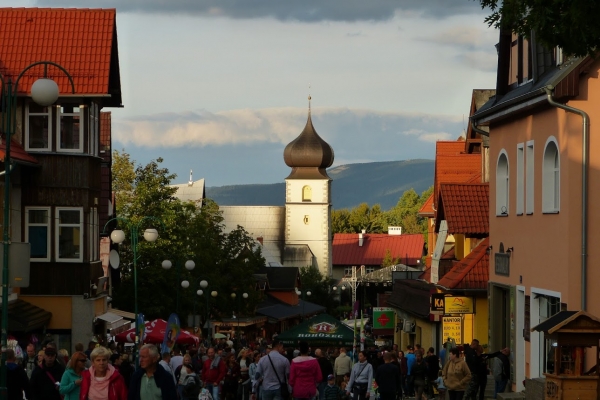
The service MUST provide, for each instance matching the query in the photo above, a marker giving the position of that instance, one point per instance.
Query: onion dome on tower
(308, 155)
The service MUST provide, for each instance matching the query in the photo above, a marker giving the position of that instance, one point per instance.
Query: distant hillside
(373, 183)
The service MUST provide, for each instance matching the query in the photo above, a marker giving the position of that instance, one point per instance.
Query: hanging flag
(172, 331)
(140, 328)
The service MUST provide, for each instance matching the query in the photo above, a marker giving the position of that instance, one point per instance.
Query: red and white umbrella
(155, 333)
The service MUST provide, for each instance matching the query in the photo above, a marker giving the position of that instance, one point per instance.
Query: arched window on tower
(306, 193)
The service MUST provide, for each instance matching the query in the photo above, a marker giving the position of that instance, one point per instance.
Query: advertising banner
(383, 318)
(172, 331)
(452, 329)
(458, 305)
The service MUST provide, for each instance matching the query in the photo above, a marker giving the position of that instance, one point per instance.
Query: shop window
(37, 232)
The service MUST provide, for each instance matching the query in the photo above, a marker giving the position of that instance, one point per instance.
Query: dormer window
(69, 125)
(520, 61)
(38, 124)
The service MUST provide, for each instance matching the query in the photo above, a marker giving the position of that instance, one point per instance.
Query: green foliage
(388, 260)
(320, 288)
(186, 232)
(570, 24)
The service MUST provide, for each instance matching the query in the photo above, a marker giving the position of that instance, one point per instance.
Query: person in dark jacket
(403, 372)
(473, 363)
(387, 377)
(326, 370)
(418, 374)
(433, 367)
(45, 379)
(151, 381)
(16, 378)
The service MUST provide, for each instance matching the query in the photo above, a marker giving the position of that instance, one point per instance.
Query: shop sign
(437, 301)
(452, 328)
(383, 318)
(458, 305)
(502, 264)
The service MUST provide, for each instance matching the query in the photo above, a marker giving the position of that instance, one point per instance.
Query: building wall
(61, 308)
(308, 221)
(547, 247)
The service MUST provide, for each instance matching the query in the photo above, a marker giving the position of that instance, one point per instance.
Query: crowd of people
(255, 372)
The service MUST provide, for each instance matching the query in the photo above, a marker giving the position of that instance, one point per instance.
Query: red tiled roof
(406, 248)
(17, 153)
(449, 255)
(80, 40)
(427, 209)
(465, 207)
(472, 272)
(454, 167)
(452, 147)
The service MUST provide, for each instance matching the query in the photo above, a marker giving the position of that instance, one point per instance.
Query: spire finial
(191, 181)
(309, 98)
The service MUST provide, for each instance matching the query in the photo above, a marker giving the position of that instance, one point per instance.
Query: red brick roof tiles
(80, 40)
(453, 147)
(465, 207)
(453, 165)
(17, 153)
(427, 209)
(472, 272)
(406, 248)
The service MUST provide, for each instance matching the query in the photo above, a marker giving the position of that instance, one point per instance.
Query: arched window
(306, 193)
(502, 184)
(551, 177)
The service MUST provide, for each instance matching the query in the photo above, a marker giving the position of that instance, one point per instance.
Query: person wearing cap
(45, 380)
(331, 391)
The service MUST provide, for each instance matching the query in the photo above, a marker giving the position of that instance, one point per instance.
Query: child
(332, 391)
(440, 386)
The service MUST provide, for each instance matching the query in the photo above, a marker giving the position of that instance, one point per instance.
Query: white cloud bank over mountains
(280, 126)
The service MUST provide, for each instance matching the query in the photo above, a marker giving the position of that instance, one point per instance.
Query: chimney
(360, 237)
(394, 230)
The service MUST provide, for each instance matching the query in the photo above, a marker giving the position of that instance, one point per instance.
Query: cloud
(276, 125)
(306, 10)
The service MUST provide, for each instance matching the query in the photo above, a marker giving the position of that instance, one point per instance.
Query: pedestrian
(150, 381)
(456, 375)
(30, 360)
(403, 372)
(244, 360)
(439, 384)
(70, 384)
(342, 366)
(17, 383)
(433, 367)
(232, 378)
(126, 369)
(164, 362)
(482, 373)
(191, 385)
(326, 370)
(256, 383)
(213, 372)
(500, 370)
(387, 377)
(45, 380)
(274, 369)
(177, 359)
(410, 360)
(361, 378)
(332, 391)
(181, 373)
(418, 374)
(102, 381)
(473, 362)
(305, 374)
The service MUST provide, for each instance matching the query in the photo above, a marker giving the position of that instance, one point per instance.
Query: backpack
(191, 388)
(205, 395)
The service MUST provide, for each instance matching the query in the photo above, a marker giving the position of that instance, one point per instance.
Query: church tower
(308, 201)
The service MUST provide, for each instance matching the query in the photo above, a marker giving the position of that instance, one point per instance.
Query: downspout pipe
(480, 131)
(584, 186)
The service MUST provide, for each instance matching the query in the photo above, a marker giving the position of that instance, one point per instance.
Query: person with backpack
(191, 384)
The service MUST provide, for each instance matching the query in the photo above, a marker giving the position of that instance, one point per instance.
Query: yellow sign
(452, 328)
(458, 305)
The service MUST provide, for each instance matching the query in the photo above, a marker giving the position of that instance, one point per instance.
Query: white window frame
(502, 186)
(347, 271)
(59, 115)
(520, 178)
(58, 225)
(94, 234)
(551, 179)
(50, 125)
(48, 226)
(529, 177)
(368, 270)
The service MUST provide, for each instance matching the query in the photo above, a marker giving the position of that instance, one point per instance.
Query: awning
(280, 311)
(412, 296)
(109, 317)
(242, 322)
(25, 317)
(121, 313)
(17, 153)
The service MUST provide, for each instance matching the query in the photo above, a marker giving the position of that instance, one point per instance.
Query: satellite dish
(114, 259)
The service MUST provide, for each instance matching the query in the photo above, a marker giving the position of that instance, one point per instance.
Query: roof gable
(427, 209)
(281, 278)
(83, 41)
(465, 207)
(346, 250)
(472, 272)
(454, 166)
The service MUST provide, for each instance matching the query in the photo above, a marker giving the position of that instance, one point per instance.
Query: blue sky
(220, 87)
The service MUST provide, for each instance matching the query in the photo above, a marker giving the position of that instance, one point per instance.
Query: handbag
(285, 391)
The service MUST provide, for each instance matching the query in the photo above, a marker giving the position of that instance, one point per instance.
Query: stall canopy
(320, 330)
(155, 333)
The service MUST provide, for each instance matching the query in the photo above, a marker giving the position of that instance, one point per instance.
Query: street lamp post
(202, 287)
(118, 236)
(308, 293)
(233, 296)
(189, 265)
(44, 92)
(213, 294)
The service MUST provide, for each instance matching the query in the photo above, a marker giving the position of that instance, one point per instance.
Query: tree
(186, 231)
(319, 286)
(388, 260)
(570, 24)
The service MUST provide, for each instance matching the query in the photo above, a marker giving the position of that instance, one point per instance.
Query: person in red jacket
(213, 373)
(305, 374)
(102, 381)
